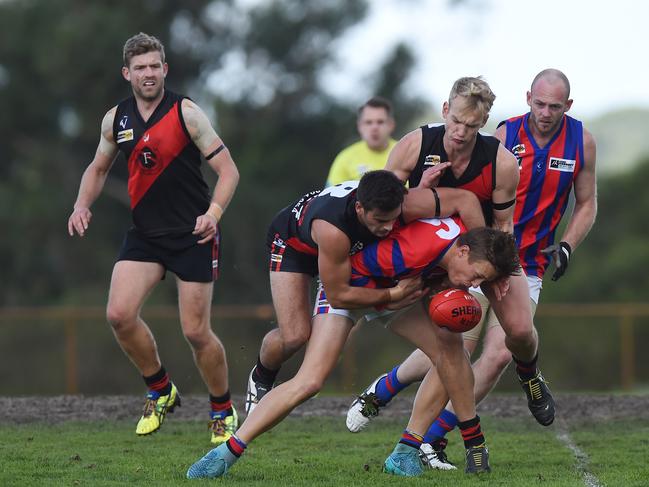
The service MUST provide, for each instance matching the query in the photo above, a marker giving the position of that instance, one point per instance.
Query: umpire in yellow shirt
(375, 125)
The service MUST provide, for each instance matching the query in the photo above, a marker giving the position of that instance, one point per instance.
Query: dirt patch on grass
(57, 409)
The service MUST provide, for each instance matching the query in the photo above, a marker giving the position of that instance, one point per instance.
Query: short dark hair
(496, 247)
(380, 190)
(377, 102)
(141, 44)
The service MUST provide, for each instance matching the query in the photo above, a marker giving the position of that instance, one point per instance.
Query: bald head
(552, 77)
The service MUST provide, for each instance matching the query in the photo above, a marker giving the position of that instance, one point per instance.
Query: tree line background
(256, 69)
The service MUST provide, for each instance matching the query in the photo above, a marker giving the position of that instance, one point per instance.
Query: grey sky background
(600, 45)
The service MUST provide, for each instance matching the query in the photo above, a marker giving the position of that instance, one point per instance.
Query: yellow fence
(624, 316)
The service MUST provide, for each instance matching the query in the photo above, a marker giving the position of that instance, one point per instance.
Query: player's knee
(499, 358)
(521, 334)
(199, 337)
(295, 340)
(120, 318)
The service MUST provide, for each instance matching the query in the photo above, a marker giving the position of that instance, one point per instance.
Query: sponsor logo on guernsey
(146, 137)
(432, 160)
(124, 135)
(123, 121)
(215, 264)
(357, 247)
(278, 242)
(563, 165)
(276, 258)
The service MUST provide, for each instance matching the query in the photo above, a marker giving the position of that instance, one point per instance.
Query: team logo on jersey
(278, 242)
(146, 137)
(276, 258)
(124, 136)
(357, 247)
(149, 161)
(432, 160)
(518, 151)
(123, 121)
(563, 165)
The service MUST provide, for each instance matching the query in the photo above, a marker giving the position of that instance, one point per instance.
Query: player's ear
(568, 104)
(445, 107)
(126, 73)
(464, 251)
(165, 69)
(529, 99)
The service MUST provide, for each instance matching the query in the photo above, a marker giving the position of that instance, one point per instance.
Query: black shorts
(180, 254)
(283, 257)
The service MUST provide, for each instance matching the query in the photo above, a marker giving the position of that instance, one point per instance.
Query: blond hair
(476, 91)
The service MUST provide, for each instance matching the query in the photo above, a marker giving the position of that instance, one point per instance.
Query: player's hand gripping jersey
(412, 249)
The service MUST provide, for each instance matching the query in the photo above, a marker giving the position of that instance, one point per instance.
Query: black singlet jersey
(479, 177)
(165, 184)
(335, 205)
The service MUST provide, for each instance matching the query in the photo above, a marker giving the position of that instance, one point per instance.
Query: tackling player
(429, 246)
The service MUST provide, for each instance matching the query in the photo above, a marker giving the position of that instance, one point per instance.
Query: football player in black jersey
(164, 137)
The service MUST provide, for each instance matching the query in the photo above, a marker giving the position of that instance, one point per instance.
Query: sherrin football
(455, 309)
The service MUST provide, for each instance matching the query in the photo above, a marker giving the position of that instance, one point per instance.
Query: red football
(455, 309)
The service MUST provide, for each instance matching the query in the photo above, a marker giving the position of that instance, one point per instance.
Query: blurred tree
(256, 65)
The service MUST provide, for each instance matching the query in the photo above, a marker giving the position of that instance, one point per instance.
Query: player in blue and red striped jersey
(164, 137)
(442, 246)
(556, 155)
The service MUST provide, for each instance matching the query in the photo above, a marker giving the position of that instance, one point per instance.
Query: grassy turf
(314, 451)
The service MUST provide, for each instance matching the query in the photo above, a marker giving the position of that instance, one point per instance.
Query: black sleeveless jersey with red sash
(335, 205)
(165, 184)
(479, 177)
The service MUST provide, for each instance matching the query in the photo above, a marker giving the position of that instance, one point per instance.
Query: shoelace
(217, 426)
(370, 408)
(534, 386)
(149, 407)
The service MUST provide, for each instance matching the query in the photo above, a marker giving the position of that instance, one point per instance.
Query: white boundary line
(580, 456)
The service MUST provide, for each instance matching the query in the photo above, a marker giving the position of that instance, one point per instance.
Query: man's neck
(147, 107)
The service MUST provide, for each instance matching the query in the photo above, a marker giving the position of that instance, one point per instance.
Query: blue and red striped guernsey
(547, 176)
(415, 248)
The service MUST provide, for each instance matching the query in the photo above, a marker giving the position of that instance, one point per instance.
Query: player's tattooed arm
(218, 157)
(94, 177)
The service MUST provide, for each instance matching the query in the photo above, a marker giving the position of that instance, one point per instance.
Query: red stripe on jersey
(297, 244)
(155, 150)
(481, 185)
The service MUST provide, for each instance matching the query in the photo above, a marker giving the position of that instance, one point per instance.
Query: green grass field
(316, 451)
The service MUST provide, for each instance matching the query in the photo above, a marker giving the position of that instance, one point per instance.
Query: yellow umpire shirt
(354, 161)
